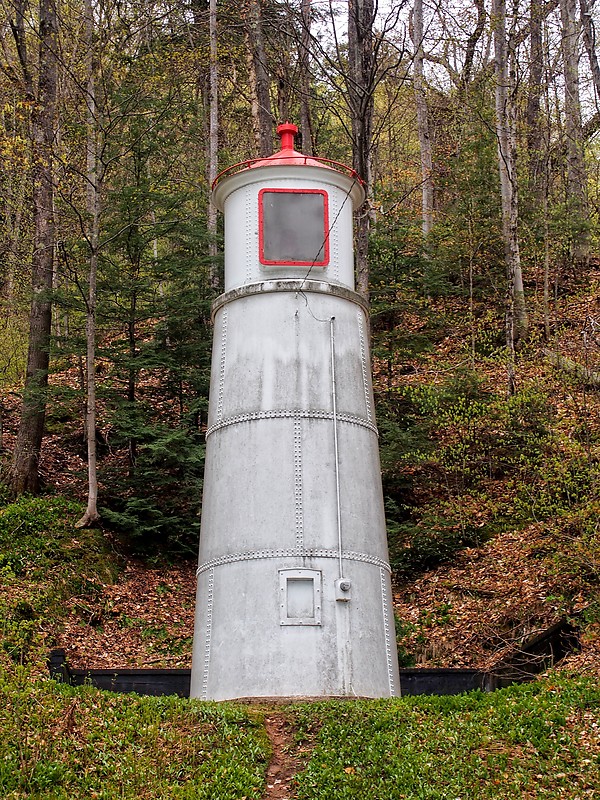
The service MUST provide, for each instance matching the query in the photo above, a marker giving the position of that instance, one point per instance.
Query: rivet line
(365, 366)
(207, 641)
(286, 414)
(257, 555)
(387, 631)
(298, 488)
(221, 394)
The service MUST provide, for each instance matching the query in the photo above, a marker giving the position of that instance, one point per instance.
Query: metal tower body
(294, 592)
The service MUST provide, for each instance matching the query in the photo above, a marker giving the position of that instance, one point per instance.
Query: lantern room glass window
(293, 227)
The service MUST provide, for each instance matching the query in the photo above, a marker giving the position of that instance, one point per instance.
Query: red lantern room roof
(287, 156)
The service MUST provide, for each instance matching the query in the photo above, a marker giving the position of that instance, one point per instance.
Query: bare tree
(472, 43)
(360, 86)
(427, 189)
(353, 75)
(534, 95)
(259, 80)
(94, 179)
(304, 66)
(589, 39)
(505, 101)
(576, 171)
(213, 134)
(538, 146)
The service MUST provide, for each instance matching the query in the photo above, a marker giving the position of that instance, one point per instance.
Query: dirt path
(284, 765)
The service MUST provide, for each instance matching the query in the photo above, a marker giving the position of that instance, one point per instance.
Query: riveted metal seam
(221, 394)
(251, 226)
(298, 487)
(365, 368)
(261, 288)
(387, 632)
(333, 235)
(257, 555)
(208, 635)
(290, 413)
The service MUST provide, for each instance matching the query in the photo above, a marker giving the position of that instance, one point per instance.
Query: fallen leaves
(465, 614)
(144, 620)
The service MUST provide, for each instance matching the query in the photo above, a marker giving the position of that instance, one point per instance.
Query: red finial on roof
(287, 156)
(287, 132)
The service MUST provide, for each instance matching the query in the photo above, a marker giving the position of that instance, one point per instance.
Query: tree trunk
(538, 146)
(472, 41)
(260, 81)
(304, 63)
(536, 74)
(360, 86)
(546, 289)
(576, 171)
(589, 39)
(25, 473)
(94, 180)
(588, 377)
(213, 138)
(131, 374)
(504, 62)
(427, 190)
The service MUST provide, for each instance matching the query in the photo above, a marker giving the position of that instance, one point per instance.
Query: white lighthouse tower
(294, 592)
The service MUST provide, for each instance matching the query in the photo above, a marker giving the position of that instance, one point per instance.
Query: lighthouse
(294, 592)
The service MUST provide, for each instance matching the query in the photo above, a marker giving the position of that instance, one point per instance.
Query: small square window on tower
(300, 596)
(293, 227)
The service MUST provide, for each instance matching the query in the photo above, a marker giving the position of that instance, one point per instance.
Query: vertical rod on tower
(335, 445)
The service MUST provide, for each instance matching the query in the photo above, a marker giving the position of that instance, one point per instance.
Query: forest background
(474, 128)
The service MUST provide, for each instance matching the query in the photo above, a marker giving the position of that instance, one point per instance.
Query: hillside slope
(492, 500)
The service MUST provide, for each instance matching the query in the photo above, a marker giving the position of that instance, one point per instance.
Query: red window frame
(261, 251)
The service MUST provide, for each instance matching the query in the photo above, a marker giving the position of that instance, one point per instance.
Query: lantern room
(288, 216)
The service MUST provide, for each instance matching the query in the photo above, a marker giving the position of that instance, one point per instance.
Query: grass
(65, 743)
(541, 740)
(535, 741)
